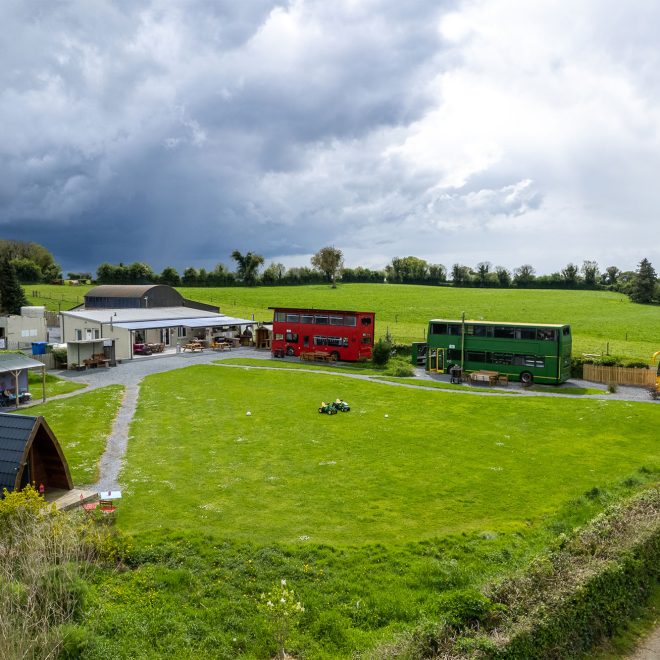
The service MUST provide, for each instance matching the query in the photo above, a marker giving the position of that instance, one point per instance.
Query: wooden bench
(97, 360)
(221, 346)
(489, 377)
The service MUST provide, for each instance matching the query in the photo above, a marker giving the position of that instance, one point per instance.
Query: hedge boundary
(579, 591)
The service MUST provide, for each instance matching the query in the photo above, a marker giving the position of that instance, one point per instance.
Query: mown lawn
(402, 465)
(54, 385)
(378, 523)
(600, 320)
(82, 424)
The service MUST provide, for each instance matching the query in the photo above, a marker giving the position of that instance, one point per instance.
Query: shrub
(612, 388)
(381, 353)
(402, 371)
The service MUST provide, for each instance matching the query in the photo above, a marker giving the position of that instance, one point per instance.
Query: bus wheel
(335, 355)
(526, 378)
(289, 351)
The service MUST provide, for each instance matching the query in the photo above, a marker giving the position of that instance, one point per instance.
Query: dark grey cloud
(173, 132)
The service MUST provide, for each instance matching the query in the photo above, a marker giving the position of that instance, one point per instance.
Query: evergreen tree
(643, 286)
(12, 296)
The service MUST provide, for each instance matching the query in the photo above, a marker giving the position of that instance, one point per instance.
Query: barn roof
(121, 290)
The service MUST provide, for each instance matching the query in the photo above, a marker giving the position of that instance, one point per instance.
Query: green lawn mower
(333, 408)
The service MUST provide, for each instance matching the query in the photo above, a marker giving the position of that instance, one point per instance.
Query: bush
(381, 353)
(612, 388)
(402, 371)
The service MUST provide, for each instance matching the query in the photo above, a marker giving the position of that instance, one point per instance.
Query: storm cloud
(173, 133)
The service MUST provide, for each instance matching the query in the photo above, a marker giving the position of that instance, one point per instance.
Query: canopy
(204, 322)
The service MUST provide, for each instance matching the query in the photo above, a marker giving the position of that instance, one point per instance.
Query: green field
(377, 517)
(437, 464)
(601, 321)
(82, 425)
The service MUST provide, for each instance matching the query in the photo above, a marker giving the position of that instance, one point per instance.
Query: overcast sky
(174, 132)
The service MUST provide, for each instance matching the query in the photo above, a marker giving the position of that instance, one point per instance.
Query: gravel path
(130, 375)
(649, 649)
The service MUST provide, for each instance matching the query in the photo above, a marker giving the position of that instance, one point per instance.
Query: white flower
(269, 603)
(283, 583)
(282, 600)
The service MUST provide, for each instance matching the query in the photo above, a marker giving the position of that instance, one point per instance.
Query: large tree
(569, 275)
(590, 272)
(330, 261)
(524, 275)
(247, 266)
(12, 296)
(643, 285)
(407, 270)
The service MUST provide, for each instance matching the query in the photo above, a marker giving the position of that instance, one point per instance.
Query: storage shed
(31, 454)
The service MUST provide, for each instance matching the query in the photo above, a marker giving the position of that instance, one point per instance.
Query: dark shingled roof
(15, 432)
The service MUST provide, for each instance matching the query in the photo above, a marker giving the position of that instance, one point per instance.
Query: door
(437, 360)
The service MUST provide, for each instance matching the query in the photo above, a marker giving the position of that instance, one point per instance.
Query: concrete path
(649, 648)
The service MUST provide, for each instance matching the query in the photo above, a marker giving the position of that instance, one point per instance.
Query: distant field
(598, 318)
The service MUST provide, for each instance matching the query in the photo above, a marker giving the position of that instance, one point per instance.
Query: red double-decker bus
(344, 335)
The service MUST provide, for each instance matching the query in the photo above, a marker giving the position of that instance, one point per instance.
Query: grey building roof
(15, 432)
(16, 361)
(136, 314)
(120, 290)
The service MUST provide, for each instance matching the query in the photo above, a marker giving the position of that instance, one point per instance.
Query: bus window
(345, 342)
(566, 331)
(280, 316)
(454, 329)
(366, 320)
(336, 320)
(305, 342)
(547, 334)
(438, 328)
(293, 318)
(504, 332)
(350, 321)
(320, 341)
(525, 333)
(306, 318)
(321, 320)
(279, 337)
(502, 358)
(292, 336)
(475, 356)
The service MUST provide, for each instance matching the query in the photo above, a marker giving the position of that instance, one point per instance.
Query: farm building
(119, 322)
(19, 331)
(31, 454)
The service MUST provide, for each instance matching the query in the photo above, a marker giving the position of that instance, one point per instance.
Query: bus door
(437, 360)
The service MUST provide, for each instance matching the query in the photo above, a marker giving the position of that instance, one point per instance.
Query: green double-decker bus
(522, 351)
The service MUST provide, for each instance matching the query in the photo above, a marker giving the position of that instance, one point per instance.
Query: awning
(204, 322)
(89, 341)
(16, 361)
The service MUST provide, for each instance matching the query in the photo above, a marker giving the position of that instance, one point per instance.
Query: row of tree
(327, 265)
(33, 262)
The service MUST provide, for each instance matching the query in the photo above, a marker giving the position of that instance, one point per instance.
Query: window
(454, 329)
(366, 320)
(344, 341)
(525, 333)
(180, 331)
(79, 335)
(306, 318)
(454, 355)
(334, 341)
(475, 356)
(320, 341)
(546, 334)
(279, 336)
(483, 330)
(529, 361)
(321, 320)
(292, 336)
(501, 358)
(280, 316)
(350, 321)
(438, 328)
(293, 318)
(336, 320)
(504, 332)
(566, 331)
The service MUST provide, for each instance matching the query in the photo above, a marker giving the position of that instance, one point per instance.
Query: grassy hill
(600, 320)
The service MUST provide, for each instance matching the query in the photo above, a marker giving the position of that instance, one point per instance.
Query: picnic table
(221, 346)
(318, 356)
(485, 376)
(193, 346)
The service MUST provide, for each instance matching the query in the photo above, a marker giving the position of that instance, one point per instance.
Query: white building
(20, 331)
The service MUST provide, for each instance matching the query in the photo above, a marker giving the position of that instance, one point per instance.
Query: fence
(619, 375)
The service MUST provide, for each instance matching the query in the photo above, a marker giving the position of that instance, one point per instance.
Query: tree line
(33, 263)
